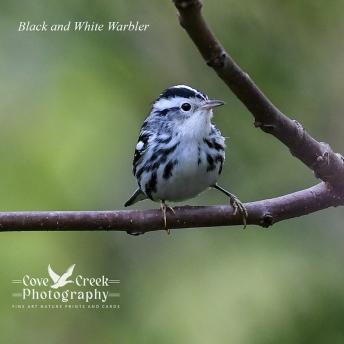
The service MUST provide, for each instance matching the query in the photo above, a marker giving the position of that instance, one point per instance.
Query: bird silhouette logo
(60, 281)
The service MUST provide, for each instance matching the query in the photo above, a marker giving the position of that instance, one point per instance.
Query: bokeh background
(71, 105)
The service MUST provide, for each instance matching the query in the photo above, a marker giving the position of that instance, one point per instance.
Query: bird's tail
(137, 196)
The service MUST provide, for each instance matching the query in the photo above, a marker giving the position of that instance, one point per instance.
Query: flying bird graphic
(60, 281)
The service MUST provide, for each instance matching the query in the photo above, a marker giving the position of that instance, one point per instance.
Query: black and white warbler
(179, 153)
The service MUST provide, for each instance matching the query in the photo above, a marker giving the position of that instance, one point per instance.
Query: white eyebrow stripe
(168, 103)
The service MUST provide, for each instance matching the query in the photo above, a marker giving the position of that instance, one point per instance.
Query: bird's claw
(239, 207)
(164, 207)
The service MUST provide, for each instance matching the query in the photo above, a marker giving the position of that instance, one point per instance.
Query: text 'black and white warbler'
(179, 153)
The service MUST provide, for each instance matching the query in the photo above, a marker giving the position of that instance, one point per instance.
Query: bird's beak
(212, 103)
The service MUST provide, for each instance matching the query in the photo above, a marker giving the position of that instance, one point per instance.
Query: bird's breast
(187, 172)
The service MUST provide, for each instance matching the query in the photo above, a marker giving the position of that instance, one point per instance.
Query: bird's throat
(196, 127)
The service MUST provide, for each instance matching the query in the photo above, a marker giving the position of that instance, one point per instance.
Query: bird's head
(184, 107)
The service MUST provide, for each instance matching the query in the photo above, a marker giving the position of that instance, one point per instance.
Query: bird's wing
(142, 145)
(53, 275)
(69, 272)
(137, 196)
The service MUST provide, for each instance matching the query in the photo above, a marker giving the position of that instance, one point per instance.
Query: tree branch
(319, 157)
(326, 164)
(263, 213)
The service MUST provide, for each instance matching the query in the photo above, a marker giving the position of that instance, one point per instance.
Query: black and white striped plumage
(179, 153)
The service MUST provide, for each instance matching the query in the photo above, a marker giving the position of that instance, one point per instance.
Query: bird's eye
(186, 106)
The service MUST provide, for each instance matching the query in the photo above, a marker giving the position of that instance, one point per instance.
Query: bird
(60, 281)
(179, 152)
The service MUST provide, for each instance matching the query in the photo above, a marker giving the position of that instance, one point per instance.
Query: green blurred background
(71, 105)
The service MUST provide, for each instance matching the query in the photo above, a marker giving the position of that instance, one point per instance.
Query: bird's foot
(238, 207)
(235, 203)
(164, 207)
